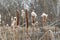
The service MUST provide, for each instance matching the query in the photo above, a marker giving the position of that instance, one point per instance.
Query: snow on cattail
(44, 14)
(33, 14)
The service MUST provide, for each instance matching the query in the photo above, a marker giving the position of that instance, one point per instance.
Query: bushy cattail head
(44, 14)
(33, 14)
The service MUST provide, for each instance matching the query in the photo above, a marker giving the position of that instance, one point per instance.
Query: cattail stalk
(27, 22)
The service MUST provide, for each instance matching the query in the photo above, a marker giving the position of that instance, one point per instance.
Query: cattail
(17, 14)
(14, 23)
(34, 15)
(27, 24)
(23, 17)
(44, 18)
(27, 20)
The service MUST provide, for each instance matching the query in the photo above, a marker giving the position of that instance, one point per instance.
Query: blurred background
(8, 9)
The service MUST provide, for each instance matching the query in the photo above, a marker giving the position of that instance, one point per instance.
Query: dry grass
(7, 33)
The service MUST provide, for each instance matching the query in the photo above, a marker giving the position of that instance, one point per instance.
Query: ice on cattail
(33, 14)
(44, 14)
(23, 13)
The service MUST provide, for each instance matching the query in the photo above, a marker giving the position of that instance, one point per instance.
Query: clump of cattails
(44, 19)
